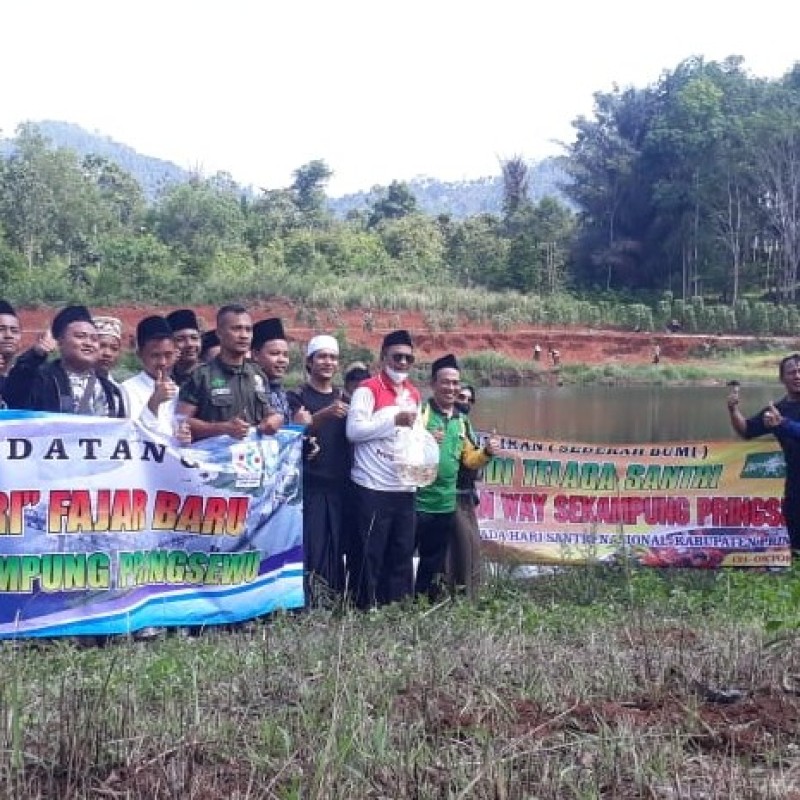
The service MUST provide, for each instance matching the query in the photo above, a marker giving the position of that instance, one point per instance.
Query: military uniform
(222, 392)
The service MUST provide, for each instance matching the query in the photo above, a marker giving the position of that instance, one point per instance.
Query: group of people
(362, 523)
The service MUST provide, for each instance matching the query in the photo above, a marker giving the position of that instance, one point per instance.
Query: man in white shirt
(384, 504)
(151, 395)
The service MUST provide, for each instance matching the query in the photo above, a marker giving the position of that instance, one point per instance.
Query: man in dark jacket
(10, 336)
(69, 384)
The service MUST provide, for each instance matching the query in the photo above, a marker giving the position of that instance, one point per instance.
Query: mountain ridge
(464, 198)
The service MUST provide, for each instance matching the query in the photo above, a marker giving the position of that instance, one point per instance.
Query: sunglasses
(398, 358)
(465, 398)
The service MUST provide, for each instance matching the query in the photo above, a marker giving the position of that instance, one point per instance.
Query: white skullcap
(322, 342)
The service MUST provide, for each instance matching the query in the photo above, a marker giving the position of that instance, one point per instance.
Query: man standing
(71, 384)
(186, 332)
(384, 505)
(229, 395)
(270, 350)
(151, 395)
(750, 428)
(464, 561)
(436, 503)
(10, 336)
(109, 342)
(325, 472)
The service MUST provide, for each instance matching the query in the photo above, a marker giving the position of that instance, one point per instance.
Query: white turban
(322, 342)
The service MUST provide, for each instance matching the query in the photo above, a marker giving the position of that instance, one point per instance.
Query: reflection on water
(616, 414)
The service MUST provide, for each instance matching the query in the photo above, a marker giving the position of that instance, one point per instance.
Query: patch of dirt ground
(575, 345)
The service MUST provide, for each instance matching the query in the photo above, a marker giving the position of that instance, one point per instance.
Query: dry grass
(584, 684)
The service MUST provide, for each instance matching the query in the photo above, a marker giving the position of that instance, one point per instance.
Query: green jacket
(455, 448)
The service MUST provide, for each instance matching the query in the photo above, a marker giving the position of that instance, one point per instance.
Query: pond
(616, 414)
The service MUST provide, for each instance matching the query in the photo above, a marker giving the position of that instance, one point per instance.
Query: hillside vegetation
(680, 208)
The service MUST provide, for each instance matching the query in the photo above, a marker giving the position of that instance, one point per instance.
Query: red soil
(576, 345)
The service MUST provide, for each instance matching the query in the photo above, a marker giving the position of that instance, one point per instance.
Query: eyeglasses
(465, 398)
(398, 358)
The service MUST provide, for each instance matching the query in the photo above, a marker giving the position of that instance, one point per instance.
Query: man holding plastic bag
(436, 503)
(383, 410)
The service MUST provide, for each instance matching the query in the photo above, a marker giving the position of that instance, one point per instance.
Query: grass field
(595, 682)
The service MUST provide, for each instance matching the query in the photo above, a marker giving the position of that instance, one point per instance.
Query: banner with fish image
(108, 528)
(679, 504)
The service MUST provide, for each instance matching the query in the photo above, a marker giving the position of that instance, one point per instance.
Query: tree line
(687, 188)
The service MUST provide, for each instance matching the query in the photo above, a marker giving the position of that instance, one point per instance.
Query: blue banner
(108, 528)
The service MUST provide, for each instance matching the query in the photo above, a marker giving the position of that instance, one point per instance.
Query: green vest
(440, 496)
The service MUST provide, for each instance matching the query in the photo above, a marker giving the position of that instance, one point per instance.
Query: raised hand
(302, 416)
(772, 417)
(165, 388)
(492, 445)
(733, 394)
(45, 343)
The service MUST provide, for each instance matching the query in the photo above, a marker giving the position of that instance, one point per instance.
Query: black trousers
(322, 541)
(386, 523)
(791, 513)
(434, 532)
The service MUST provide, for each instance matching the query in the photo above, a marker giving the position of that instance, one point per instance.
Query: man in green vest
(436, 503)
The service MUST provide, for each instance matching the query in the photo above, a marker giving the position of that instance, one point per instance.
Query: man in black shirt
(326, 471)
(750, 428)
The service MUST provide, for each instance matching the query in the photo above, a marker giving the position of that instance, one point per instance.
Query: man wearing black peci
(186, 333)
(71, 383)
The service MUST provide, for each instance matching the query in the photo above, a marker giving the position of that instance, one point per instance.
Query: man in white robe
(151, 395)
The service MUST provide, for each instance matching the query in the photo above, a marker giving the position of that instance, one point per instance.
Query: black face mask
(463, 408)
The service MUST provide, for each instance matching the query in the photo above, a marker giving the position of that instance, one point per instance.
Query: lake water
(616, 414)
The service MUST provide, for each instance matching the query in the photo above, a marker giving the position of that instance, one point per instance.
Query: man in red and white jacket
(386, 519)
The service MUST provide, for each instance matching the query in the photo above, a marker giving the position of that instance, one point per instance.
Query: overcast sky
(379, 90)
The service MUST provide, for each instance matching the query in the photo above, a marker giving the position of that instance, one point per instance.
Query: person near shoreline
(464, 563)
(186, 331)
(71, 384)
(761, 424)
(229, 395)
(436, 503)
(656, 353)
(325, 471)
(386, 518)
(10, 338)
(151, 395)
